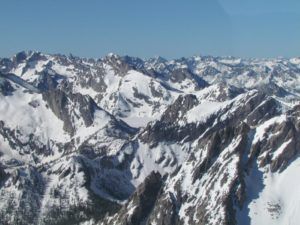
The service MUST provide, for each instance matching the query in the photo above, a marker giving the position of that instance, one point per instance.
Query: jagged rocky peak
(28, 56)
(157, 59)
(117, 63)
(135, 62)
(21, 56)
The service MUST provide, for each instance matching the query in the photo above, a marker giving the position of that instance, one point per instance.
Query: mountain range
(122, 140)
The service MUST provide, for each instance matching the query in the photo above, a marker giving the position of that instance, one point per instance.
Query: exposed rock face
(3, 174)
(273, 89)
(164, 129)
(23, 146)
(121, 140)
(180, 75)
(47, 81)
(60, 103)
(285, 132)
(141, 203)
(30, 185)
(5, 87)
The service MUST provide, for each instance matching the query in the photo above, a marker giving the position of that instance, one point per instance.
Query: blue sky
(170, 28)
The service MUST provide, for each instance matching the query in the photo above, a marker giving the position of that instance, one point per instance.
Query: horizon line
(70, 54)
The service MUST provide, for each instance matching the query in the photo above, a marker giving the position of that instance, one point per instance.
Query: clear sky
(146, 28)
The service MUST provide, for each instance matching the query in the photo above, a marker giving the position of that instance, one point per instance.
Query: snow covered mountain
(122, 140)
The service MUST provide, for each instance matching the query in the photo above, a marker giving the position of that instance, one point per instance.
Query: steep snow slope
(274, 197)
